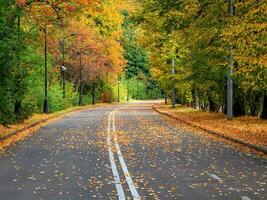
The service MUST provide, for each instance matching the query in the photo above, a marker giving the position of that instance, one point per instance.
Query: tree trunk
(80, 94)
(254, 102)
(196, 100)
(128, 88)
(239, 103)
(17, 107)
(206, 106)
(93, 94)
(264, 109)
(212, 104)
(166, 98)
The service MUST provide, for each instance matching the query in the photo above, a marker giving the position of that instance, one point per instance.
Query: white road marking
(245, 198)
(115, 173)
(125, 170)
(215, 177)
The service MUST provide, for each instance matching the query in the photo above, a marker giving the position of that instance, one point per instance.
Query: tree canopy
(91, 44)
(197, 34)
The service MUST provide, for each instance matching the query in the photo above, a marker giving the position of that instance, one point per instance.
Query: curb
(253, 146)
(45, 120)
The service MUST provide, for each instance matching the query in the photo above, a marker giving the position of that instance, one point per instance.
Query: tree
(198, 33)
(12, 79)
(23, 27)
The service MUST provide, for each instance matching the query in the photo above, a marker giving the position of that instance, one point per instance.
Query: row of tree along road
(219, 49)
(57, 54)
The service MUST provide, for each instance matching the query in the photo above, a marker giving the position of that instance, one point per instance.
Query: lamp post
(79, 53)
(138, 86)
(80, 77)
(139, 79)
(173, 86)
(128, 92)
(63, 68)
(46, 107)
(118, 91)
(63, 72)
(229, 71)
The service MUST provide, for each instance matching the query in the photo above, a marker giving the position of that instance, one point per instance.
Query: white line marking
(245, 198)
(127, 175)
(115, 173)
(215, 177)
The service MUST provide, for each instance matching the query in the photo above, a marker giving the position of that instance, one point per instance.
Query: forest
(55, 54)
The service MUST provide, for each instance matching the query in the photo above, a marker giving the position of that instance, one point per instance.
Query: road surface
(126, 151)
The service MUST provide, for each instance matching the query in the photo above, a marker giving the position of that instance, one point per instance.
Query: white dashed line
(115, 173)
(125, 170)
(215, 177)
(245, 198)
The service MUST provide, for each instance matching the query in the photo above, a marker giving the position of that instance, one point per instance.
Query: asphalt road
(126, 151)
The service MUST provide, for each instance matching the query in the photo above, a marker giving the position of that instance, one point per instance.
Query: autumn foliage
(197, 35)
(83, 37)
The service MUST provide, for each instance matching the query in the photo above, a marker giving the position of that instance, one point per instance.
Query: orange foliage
(248, 129)
(93, 55)
(102, 50)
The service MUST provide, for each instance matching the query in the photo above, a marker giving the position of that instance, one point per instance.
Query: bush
(105, 97)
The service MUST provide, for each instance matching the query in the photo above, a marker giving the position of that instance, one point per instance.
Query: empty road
(126, 151)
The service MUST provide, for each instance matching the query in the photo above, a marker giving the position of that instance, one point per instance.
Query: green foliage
(136, 60)
(135, 55)
(197, 34)
(10, 50)
(22, 41)
(138, 89)
(105, 92)
(57, 103)
(137, 69)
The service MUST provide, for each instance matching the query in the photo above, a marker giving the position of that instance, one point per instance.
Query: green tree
(197, 33)
(12, 77)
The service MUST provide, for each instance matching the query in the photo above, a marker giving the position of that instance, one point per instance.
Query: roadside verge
(202, 122)
(20, 131)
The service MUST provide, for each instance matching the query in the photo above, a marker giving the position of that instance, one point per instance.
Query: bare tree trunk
(196, 100)
(166, 98)
(264, 110)
(93, 94)
(18, 104)
(80, 94)
(173, 85)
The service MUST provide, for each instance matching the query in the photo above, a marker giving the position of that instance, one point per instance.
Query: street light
(63, 69)
(118, 91)
(79, 53)
(229, 70)
(80, 77)
(139, 79)
(63, 72)
(46, 107)
(46, 104)
(173, 85)
(128, 92)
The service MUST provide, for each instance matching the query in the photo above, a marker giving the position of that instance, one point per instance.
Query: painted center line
(114, 170)
(245, 198)
(125, 170)
(215, 177)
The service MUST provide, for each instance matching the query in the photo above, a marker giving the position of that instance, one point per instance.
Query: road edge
(50, 118)
(253, 146)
